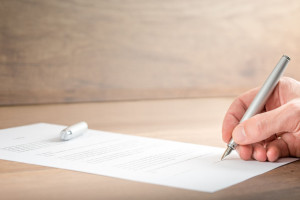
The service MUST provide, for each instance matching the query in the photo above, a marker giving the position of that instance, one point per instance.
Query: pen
(73, 131)
(261, 97)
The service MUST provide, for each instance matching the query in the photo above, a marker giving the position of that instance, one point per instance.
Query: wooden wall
(97, 50)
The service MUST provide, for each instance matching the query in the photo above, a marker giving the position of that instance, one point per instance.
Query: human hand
(271, 134)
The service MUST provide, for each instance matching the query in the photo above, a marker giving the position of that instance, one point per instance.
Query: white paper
(162, 162)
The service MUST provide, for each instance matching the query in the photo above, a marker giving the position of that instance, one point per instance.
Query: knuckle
(285, 78)
(294, 108)
(288, 85)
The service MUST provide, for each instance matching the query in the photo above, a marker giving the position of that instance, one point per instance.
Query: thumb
(285, 118)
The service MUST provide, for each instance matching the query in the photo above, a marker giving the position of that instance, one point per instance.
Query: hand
(271, 134)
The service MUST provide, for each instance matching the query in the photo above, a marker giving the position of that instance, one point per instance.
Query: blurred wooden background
(97, 50)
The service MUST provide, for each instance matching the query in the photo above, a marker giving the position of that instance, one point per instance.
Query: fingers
(262, 126)
(236, 112)
(276, 149)
(245, 151)
(259, 152)
(293, 143)
(255, 151)
(230, 121)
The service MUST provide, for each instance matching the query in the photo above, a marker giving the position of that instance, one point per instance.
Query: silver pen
(261, 97)
(73, 131)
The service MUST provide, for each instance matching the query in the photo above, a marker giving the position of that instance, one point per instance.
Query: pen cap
(266, 90)
(73, 131)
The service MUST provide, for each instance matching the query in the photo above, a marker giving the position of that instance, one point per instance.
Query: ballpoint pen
(73, 131)
(261, 97)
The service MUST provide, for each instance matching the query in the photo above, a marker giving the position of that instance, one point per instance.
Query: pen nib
(226, 153)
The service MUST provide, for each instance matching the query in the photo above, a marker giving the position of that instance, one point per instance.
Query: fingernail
(239, 135)
(254, 155)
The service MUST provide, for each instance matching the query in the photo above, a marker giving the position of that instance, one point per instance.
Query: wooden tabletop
(196, 121)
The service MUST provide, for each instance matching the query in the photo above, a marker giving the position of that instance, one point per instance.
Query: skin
(271, 134)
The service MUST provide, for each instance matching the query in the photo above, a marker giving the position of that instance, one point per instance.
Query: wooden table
(196, 121)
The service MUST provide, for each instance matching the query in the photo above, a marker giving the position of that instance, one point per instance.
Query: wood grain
(195, 121)
(90, 50)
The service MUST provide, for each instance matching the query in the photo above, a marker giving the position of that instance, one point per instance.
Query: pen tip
(226, 153)
(223, 156)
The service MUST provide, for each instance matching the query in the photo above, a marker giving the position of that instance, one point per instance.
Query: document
(155, 161)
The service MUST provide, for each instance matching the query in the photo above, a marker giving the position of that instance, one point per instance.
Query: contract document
(155, 161)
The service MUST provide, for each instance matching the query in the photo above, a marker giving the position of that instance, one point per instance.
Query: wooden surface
(191, 120)
(97, 50)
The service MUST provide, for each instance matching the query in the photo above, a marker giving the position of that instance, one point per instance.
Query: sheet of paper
(162, 162)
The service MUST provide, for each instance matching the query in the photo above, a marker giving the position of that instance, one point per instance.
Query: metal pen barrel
(262, 96)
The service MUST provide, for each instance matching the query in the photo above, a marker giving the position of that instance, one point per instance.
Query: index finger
(236, 112)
